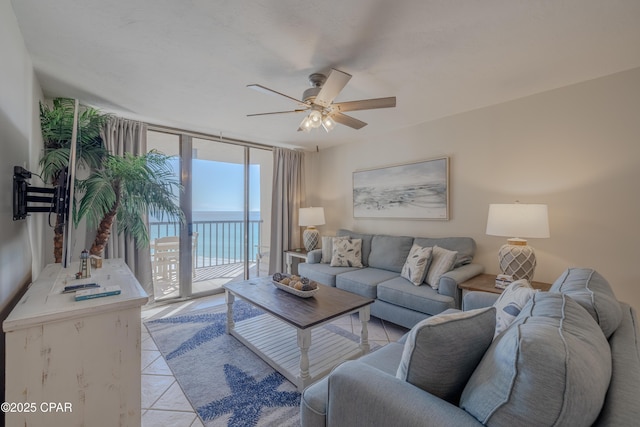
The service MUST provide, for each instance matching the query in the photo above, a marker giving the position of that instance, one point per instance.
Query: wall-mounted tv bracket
(49, 200)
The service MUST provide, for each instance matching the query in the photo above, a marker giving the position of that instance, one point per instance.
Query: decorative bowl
(294, 291)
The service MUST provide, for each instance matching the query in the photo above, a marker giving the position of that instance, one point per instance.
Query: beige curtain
(288, 196)
(126, 136)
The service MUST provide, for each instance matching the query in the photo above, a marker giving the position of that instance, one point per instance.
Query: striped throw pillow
(442, 260)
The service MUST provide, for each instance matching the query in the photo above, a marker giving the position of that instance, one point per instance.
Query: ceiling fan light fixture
(318, 102)
(315, 117)
(306, 125)
(328, 124)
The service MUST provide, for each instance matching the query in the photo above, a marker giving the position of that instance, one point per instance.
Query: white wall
(576, 149)
(21, 142)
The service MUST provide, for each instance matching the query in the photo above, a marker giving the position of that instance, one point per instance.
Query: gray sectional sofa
(571, 357)
(397, 299)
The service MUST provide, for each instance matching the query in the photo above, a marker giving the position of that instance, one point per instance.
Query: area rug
(226, 383)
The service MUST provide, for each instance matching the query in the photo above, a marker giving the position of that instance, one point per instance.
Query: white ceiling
(186, 64)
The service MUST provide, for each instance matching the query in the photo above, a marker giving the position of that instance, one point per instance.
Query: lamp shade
(311, 217)
(518, 220)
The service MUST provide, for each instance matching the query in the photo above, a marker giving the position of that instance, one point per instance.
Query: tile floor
(164, 403)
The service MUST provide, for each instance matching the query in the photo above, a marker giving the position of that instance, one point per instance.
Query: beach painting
(417, 190)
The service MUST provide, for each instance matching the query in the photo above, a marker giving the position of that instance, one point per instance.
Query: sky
(219, 186)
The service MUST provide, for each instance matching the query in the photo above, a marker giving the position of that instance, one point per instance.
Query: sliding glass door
(226, 201)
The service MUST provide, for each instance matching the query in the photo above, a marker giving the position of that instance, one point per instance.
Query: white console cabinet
(75, 363)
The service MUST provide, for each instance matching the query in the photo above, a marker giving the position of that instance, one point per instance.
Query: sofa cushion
(386, 358)
(322, 273)
(416, 265)
(441, 352)
(313, 401)
(424, 299)
(589, 289)
(510, 303)
(465, 246)
(389, 252)
(366, 243)
(552, 366)
(442, 260)
(346, 252)
(364, 281)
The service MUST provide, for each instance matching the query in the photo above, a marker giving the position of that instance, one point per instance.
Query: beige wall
(21, 142)
(576, 149)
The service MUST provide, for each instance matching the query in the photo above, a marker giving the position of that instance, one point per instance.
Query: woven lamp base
(310, 237)
(518, 261)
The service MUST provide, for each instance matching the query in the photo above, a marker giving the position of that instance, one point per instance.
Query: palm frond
(98, 199)
(132, 223)
(52, 162)
(56, 123)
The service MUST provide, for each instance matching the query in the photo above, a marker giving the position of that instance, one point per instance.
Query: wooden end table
(294, 253)
(487, 283)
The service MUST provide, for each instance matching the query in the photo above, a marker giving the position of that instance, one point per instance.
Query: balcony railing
(218, 242)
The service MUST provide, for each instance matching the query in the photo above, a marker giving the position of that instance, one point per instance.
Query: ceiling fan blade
(276, 112)
(268, 91)
(348, 121)
(336, 81)
(365, 104)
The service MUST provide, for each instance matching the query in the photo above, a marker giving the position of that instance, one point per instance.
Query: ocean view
(220, 235)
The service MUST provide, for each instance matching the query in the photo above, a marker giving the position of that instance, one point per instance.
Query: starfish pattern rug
(226, 383)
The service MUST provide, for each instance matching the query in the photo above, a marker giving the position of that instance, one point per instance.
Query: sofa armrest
(314, 256)
(362, 395)
(477, 299)
(448, 284)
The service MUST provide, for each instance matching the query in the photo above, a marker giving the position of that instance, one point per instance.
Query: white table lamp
(522, 220)
(310, 217)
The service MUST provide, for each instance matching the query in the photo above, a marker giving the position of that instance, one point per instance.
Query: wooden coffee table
(289, 337)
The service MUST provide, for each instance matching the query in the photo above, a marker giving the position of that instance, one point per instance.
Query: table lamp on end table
(310, 217)
(524, 220)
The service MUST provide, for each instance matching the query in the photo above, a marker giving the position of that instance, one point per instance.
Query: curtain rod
(200, 135)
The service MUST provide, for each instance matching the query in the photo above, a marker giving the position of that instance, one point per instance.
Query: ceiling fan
(318, 102)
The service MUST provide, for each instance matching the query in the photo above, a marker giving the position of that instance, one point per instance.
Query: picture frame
(417, 190)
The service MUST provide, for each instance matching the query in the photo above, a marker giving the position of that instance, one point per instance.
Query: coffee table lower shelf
(277, 343)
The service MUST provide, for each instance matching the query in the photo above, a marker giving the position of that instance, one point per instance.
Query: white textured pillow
(416, 265)
(510, 303)
(442, 352)
(442, 260)
(327, 248)
(346, 252)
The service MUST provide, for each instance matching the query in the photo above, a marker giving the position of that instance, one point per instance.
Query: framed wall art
(417, 190)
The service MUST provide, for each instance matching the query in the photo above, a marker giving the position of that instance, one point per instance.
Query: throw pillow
(327, 248)
(589, 289)
(552, 367)
(441, 352)
(416, 265)
(346, 252)
(510, 303)
(442, 261)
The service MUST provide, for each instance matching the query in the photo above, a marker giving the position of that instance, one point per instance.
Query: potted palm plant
(56, 122)
(120, 189)
(123, 190)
